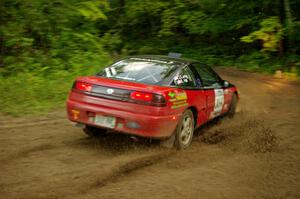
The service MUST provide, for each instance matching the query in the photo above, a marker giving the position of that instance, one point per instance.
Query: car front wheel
(233, 105)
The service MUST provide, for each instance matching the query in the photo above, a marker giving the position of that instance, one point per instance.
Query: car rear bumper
(126, 122)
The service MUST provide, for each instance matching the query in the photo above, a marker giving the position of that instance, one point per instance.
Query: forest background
(45, 44)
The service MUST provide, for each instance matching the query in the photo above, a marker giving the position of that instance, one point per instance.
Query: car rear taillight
(83, 86)
(137, 97)
(147, 99)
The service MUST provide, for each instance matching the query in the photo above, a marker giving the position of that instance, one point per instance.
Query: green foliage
(45, 44)
(92, 9)
(270, 34)
(215, 24)
(52, 35)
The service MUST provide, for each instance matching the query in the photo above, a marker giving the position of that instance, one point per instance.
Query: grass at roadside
(38, 93)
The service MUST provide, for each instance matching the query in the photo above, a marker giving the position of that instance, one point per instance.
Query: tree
(270, 33)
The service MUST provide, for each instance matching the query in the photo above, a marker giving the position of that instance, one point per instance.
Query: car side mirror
(225, 84)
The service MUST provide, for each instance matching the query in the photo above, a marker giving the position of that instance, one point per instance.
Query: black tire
(185, 130)
(92, 131)
(233, 105)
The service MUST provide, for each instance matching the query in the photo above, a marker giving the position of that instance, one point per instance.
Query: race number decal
(219, 102)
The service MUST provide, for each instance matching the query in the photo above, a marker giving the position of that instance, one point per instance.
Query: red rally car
(151, 96)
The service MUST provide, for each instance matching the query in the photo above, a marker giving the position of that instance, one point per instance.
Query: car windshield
(142, 70)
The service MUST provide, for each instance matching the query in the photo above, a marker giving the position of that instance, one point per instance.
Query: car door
(212, 86)
(189, 80)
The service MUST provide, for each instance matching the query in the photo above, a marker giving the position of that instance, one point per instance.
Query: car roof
(181, 61)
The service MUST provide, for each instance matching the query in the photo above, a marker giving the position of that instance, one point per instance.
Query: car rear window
(142, 70)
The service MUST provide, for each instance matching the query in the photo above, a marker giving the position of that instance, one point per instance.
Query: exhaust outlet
(133, 139)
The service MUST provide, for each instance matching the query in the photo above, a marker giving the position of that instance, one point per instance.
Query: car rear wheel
(93, 131)
(233, 105)
(183, 134)
(185, 130)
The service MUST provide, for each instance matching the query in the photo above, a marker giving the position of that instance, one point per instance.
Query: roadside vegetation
(45, 44)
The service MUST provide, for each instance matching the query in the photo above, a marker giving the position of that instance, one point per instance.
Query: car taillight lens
(82, 86)
(148, 99)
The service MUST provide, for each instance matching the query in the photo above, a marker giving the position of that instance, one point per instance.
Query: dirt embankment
(254, 155)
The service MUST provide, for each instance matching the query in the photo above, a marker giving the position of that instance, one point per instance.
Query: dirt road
(254, 155)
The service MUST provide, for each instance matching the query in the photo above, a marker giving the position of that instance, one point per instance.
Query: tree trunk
(288, 23)
(122, 5)
(283, 43)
